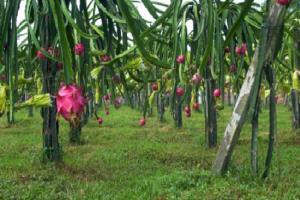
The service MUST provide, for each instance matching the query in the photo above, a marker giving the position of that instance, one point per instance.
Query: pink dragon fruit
(196, 79)
(217, 92)
(187, 111)
(283, 2)
(180, 91)
(196, 106)
(180, 59)
(100, 120)
(118, 102)
(142, 121)
(106, 97)
(79, 49)
(105, 58)
(154, 86)
(40, 55)
(241, 51)
(188, 114)
(70, 102)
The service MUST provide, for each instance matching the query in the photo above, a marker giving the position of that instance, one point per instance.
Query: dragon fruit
(188, 114)
(196, 106)
(241, 51)
(180, 59)
(179, 91)
(118, 102)
(154, 87)
(142, 121)
(40, 55)
(70, 102)
(105, 58)
(100, 120)
(187, 111)
(283, 2)
(217, 92)
(106, 97)
(79, 49)
(196, 79)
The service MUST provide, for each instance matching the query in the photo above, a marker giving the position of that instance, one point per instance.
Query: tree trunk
(229, 95)
(50, 133)
(295, 92)
(161, 106)
(178, 112)
(50, 123)
(265, 52)
(295, 108)
(272, 118)
(254, 160)
(210, 113)
(75, 133)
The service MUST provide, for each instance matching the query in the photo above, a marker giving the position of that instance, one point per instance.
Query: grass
(121, 160)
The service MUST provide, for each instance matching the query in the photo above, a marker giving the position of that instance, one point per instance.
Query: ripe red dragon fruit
(187, 109)
(283, 2)
(106, 97)
(241, 50)
(179, 91)
(142, 121)
(217, 92)
(154, 87)
(100, 120)
(188, 114)
(70, 102)
(118, 102)
(105, 58)
(40, 55)
(196, 106)
(79, 49)
(180, 59)
(196, 79)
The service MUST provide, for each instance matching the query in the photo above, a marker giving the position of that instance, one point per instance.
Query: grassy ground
(121, 160)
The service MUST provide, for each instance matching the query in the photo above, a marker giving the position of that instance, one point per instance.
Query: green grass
(121, 160)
